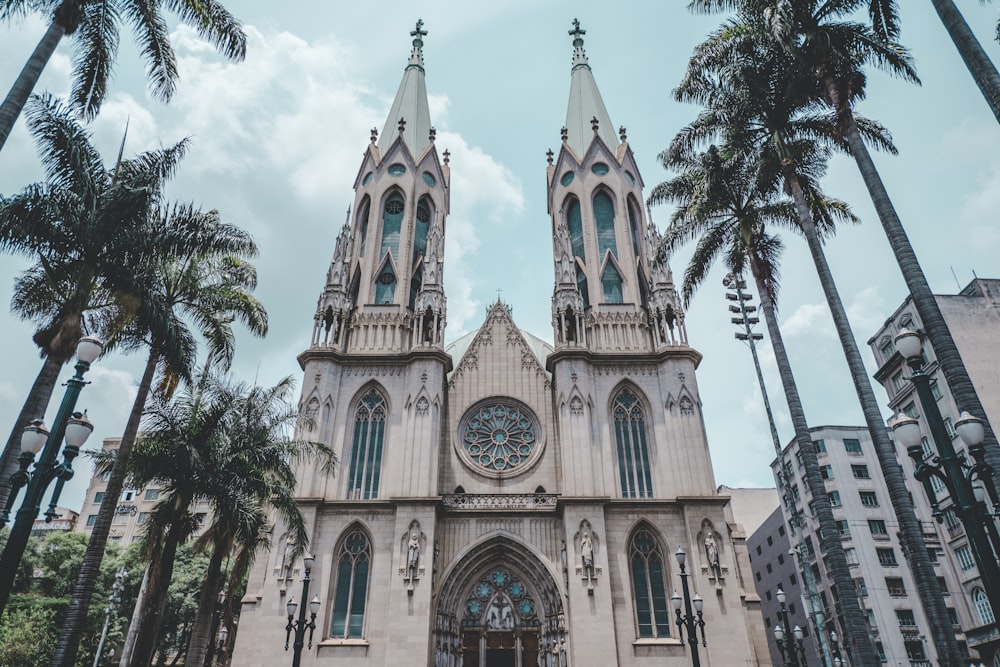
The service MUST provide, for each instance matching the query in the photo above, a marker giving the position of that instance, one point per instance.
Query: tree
(25, 635)
(983, 71)
(84, 228)
(724, 205)
(96, 25)
(210, 285)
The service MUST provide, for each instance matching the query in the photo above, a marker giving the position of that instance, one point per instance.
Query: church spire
(587, 116)
(410, 115)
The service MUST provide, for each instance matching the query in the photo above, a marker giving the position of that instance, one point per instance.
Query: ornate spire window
(422, 226)
(353, 563)
(366, 447)
(363, 211)
(631, 448)
(633, 224)
(652, 616)
(385, 284)
(392, 220)
(581, 284)
(575, 224)
(611, 283)
(604, 221)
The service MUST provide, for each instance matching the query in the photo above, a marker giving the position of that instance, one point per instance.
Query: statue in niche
(712, 551)
(500, 615)
(412, 555)
(587, 554)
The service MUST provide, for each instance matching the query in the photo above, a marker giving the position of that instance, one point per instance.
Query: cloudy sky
(277, 142)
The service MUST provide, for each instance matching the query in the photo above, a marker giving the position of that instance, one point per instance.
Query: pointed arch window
(604, 220)
(422, 226)
(351, 592)
(385, 284)
(630, 443)
(983, 607)
(392, 220)
(416, 282)
(366, 447)
(575, 224)
(363, 225)
(633, 224)
(611, 283)
(652, 616)
(581, 284)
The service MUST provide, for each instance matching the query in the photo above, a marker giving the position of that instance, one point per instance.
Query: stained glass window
(353, 563)
(633, 223)
(500, 602)
(366, 449)
(650, 592)
(604, 220)
(385, 285)
(630, 441)
(499, 435)
(363, 224)
(611, 283)
(575, 224)
(392, 219)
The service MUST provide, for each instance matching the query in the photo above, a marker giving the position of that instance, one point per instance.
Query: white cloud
(807, 320)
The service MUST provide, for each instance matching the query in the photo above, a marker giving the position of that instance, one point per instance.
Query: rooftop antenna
(953, 275)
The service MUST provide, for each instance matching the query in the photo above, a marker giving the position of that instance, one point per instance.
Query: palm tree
(983, 71)
(753, 91)
(82, 226)
(96, 25)
(249, 475)
(211, 286)
(724, 204)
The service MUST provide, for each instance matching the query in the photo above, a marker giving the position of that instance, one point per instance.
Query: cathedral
(501, 501)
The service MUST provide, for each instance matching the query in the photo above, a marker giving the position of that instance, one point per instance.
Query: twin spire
(586, 116)
(410, 115)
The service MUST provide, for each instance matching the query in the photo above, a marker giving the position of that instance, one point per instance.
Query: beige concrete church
(500, 501)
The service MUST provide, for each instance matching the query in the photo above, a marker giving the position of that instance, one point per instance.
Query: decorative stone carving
(576, 406)
(423, 406)
(587, 544)
(412, 545)
(471, 502)
(713, 563)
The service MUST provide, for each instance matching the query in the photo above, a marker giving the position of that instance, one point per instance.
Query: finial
(549, 154)
(402, 125)
(564, 133)
(579, 55)
(374, 134)
(433, 134)
(576, 33)
(447, 156)
(417, 33)
(621, 132)
(594, 123)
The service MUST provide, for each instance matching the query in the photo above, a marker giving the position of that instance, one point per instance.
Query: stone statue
(712, 551)
(587, 553)
(413, 554)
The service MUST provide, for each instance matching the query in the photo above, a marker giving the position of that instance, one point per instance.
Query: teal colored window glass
(422, 226)
(385, 285)
(366, 449)
(567, 178)
(575, 223)
(416, 282)
(600, 169)
(630, 443)
(581, 284)
(429, 179)
(648, 586)
(351, 592)
(633, 224)
(500, 595)
(604, 220)
(630, 178)
(367, 179)
(392, 220)
(611, 282)
(499, 436)
(396, 169)
(363, 224)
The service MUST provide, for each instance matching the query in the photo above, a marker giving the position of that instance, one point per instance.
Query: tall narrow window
(581, 284)
(630, 441)
(392, 220)
(575, 224)
(353, 563)
(611, 283)
(604, 221)
(983, 607)
(363, 224)
(385, 284)
(423, 223)
(633, 223)
(650, 594)
(366, 449)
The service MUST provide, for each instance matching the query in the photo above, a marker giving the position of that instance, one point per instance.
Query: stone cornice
(630, 358)
(349, 359)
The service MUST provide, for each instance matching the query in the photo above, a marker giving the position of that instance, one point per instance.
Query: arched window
(385, 284)
(416, 281)
(392, 220)
(604, 220)
(983, 607)
(611, 283)
(633, 223)
(363, 211)
(366, 448)
(581, 284)
(353, 564)
(575, 224)
(422, 225)
(652, 616)
(630, 442)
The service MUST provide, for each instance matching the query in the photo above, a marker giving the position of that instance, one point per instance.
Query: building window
(860, 471)
(851, 555)
(630, 441)
(91, 520)
(353, 563)
(820, 446)
(366, 449)
(861, 587)
(935, 390)
(897, 381)
(826, 472)
(944, 586)
(895, 586)
(781, 559)
(392, 221)
(905, 618)
(611, 283)
(151, 494)
(877, 527)
(843, 528)
(604, 220)
(781, 530)
(143, 518)
(868, 498)
(965, 559)
(887, 349)
(950, 427)
(910, 410)
(385, 284)
(834, 497)
(99, 497)
(852, 446)
(650, 592)
(915, 650)
(886, 556)
(953, 616)
(575, 224)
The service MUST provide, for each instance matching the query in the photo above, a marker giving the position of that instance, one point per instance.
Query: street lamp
(220, 652)
(75, 427)
(838, 661)
(300, 626)
(954, 471)
(116, 599)
(789, 639)
(689, 619)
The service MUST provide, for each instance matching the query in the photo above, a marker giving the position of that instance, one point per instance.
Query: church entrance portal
(517, 648)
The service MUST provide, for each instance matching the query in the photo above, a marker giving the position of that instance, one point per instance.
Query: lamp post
(116, 599)
(69, 424)
(694, 620)
(220, 652)
(953, 471)
(216, 628)
(789, 639)
(838, 660)
(300, 626)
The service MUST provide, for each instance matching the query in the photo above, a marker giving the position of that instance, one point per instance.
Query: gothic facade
(503, 501)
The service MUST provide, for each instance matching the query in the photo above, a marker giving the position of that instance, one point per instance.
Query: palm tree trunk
(76, 614)
(799, 423)
(208, 600)
(33, 408)
(148, 619)
(853, 625)
(911, 534)
(980, 66)
(26, 80)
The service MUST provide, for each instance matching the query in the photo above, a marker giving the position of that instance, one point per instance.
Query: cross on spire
(576, 32)
(418, 33)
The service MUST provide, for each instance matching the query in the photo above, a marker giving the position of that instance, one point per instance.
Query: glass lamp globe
(676, 600)
(779, 634)
(34, 436)
(78, 429)
(908, 344)
(308, 561)
(291, 606)
(680, 556)
(698, 602)
(797, 631)
(970, 429)
(780, 594)
(906, 430)
(223, 634)
(88, 349)
(314, 605)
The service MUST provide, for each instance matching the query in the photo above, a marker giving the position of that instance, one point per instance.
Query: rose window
(499, 435)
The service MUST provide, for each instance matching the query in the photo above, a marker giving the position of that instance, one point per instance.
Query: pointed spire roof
(410, 115)
(585, 103)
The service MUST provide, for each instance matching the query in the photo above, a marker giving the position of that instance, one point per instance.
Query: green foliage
(27, 636)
